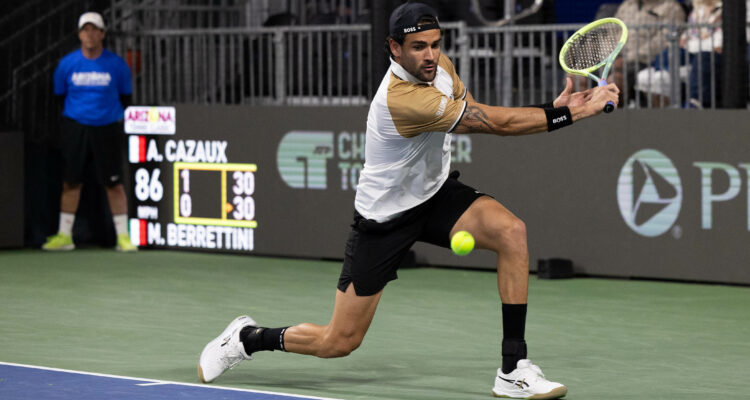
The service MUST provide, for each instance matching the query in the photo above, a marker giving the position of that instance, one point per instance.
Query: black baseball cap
(405, 19)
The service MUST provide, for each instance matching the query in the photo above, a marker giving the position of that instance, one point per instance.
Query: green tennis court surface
(436, 334)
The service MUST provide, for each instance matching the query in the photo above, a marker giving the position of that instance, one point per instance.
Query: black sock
(514, 327)
(258, 338)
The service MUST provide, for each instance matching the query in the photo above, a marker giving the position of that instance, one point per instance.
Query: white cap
(93, 18)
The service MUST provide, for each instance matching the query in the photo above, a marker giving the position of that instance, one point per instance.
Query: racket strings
(593, 47)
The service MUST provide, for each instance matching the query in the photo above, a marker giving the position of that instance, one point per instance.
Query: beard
(423, 75)
(419, 72)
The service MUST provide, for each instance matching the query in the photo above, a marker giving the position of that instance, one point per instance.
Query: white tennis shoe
(225, 351)
(526, 382)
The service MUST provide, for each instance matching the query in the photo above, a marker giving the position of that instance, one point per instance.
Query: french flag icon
(136, 149)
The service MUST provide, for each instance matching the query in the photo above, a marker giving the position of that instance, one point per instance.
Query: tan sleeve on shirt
(418, 108)
(459, 90)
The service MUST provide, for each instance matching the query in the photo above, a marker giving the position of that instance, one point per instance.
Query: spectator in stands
(700, 43)
(644, 44)
(95, 85)
(703, 46)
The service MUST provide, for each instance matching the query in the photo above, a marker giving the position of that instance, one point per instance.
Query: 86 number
(148, 186)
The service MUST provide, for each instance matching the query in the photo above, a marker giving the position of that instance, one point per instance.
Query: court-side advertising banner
(150, 120)
(643, 193)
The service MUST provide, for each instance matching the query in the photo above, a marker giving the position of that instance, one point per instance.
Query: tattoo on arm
(475, 120)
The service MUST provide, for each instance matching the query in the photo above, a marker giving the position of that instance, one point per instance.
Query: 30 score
(243, 188)
(215, 194)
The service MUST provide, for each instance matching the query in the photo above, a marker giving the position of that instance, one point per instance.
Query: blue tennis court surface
(20, 382)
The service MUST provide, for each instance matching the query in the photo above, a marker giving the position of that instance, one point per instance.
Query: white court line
(152, 384)
(159, 382)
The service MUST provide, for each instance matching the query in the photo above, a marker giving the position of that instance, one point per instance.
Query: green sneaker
(124, 244)
(59, 242)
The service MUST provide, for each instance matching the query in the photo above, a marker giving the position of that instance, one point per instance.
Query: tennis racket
(592, 47)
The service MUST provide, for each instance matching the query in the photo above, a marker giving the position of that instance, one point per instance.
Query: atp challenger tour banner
(643, 193)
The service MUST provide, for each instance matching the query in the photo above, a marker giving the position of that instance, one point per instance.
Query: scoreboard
(232, 203)
(185, 192)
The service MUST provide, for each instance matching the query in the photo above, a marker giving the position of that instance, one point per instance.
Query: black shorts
(375, 250)
(101, 146)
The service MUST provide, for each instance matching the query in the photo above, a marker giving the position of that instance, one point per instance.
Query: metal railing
(311, 65)
(509, 65)
(332, 65)
(315, 65)
(678, 76)
(528, 71)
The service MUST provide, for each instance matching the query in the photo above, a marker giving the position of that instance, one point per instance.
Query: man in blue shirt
(95, 85)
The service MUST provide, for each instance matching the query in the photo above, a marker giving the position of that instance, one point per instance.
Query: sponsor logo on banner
(649, 193)
(304, 157)
(150, 120)
(709, 193)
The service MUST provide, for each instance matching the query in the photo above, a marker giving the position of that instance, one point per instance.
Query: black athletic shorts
(99, 147)
(375, 250)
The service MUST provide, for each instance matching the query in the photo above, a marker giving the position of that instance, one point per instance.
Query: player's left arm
(503, 121)
(516, 121)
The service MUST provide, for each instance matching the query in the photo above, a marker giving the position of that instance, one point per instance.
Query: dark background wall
(11, 189)
(565, 186)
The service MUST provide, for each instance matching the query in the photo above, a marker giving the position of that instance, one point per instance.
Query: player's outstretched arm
(515, 121)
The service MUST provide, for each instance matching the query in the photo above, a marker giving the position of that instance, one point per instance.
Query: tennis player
(406, 193)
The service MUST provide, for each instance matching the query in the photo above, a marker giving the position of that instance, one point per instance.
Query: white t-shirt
(407, 148)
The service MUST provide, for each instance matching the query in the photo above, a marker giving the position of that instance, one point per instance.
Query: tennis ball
(462, 243)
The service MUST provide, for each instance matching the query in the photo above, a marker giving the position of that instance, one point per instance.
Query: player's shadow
(277, 377)
(398, 379)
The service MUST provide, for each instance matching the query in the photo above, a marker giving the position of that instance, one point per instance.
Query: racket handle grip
(610, 106)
